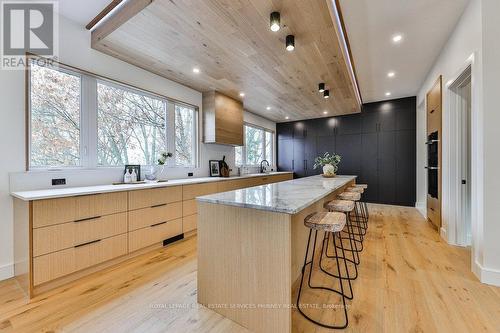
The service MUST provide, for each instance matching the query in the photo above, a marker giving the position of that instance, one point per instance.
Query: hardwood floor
(409, 281)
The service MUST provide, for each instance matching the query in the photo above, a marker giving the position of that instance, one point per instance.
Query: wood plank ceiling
(231, 43)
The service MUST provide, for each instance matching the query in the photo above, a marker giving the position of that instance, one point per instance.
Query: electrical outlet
(58, 181)
(190, 174)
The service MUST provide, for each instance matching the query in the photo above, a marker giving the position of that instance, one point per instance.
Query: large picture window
(258, 146)
(80, 120)
(55, 118)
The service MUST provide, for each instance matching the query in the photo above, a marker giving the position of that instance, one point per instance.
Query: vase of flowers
(156, 171)
(329, 162)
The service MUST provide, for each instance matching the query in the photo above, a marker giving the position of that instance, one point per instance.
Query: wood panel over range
(232, 45)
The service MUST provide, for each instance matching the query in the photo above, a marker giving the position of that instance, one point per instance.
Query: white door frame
(452, 158)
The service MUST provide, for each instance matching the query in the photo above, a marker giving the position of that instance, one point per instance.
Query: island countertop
(288, 197)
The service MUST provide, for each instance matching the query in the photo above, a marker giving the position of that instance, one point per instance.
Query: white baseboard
(486, 275)
(442, 233)
(422, 208)
(6, 272)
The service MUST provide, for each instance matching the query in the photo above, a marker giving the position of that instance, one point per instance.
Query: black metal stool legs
(341, 292)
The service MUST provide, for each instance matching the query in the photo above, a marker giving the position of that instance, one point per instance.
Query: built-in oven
(433, 164)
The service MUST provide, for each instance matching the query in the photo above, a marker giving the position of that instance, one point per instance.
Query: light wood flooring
(409, 281)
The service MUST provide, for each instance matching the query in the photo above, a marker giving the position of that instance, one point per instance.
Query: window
(185, 136)
(55, 118)
(131, 127)
(258, 146)
(80, 120)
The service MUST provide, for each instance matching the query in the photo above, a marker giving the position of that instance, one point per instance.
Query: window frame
(88, 117)
(244, 159)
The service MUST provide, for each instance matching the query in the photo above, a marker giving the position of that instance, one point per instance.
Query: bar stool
(346, 207)
(364, 187)
(358, 218)
(362, 206)
(334, 223)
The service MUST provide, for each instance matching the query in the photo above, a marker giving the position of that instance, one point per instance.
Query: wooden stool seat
(344, 206)
(363, 186)
(326, 221)
(352, 196)
(355, 189)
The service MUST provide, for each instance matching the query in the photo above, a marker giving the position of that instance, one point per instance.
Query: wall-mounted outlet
(190, 174)
(58, 181)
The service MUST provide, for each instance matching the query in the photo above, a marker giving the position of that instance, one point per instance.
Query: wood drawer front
(189, 207)
(56, 211)
(144, 237)
(153, 197)
(146, 217)
(189, 223)
(57, 264)
(280, 178)
(196, 190)
(62, 236)
(229, 185)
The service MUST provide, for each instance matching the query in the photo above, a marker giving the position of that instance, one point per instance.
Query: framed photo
(135, 167)
(214, 168)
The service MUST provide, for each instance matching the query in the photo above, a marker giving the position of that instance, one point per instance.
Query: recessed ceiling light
(196, 70)
(242, 94)
(391, 74)
(325, 112)
(268, 108)
(388, 94)
(275, 21)
(397, 38)
(287, 117)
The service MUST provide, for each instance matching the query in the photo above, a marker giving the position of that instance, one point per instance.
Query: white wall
(74, 50)
(476, 34)
(490, 270)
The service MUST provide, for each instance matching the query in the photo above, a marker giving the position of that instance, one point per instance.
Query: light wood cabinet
(154, 197)
(56, 211)
(222, 119)
(67, 238)
(62, 236)
(54, 265)
(144, 237)
(146, 217)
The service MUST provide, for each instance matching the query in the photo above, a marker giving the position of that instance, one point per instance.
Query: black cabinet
(377, 144)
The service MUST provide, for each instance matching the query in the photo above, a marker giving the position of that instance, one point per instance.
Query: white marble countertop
(86, 190)
(289, 197)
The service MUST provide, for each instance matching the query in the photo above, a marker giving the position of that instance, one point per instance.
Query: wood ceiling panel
(230, 41)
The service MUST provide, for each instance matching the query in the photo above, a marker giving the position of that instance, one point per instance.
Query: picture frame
(214, 168)
(137, 169)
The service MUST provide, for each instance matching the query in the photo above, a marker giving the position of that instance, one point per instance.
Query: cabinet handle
(432, 111)
(157, 224)
(160, 205)
(88, 243)
(293, 164)
(431, 208)
(87, 219)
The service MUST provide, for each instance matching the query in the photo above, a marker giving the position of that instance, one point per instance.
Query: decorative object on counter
(223, 167)
(214, 168)
(329, 162)
(156, 171)
(135, 173)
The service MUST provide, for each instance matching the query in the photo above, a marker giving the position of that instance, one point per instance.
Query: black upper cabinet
(284, 131)
(299, 164)
(299, 130)
(285, 155)
(377, 145)
(350, 124)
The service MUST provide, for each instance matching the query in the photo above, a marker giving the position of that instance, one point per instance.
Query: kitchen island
(251, 245)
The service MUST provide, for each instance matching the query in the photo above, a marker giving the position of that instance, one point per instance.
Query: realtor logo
(27, 27)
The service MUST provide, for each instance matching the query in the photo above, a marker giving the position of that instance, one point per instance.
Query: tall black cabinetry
(377, 144)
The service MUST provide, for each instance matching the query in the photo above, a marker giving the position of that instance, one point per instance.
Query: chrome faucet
(261, 167)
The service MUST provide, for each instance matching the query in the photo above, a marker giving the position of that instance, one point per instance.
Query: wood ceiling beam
(103, 13)
(126, 11)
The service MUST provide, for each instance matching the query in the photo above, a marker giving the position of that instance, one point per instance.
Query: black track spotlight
(326, 94)
(274, 22)
(321, 87)
(290, 42)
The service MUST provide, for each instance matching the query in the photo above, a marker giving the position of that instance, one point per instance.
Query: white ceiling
(370, 25)
(81, 11)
